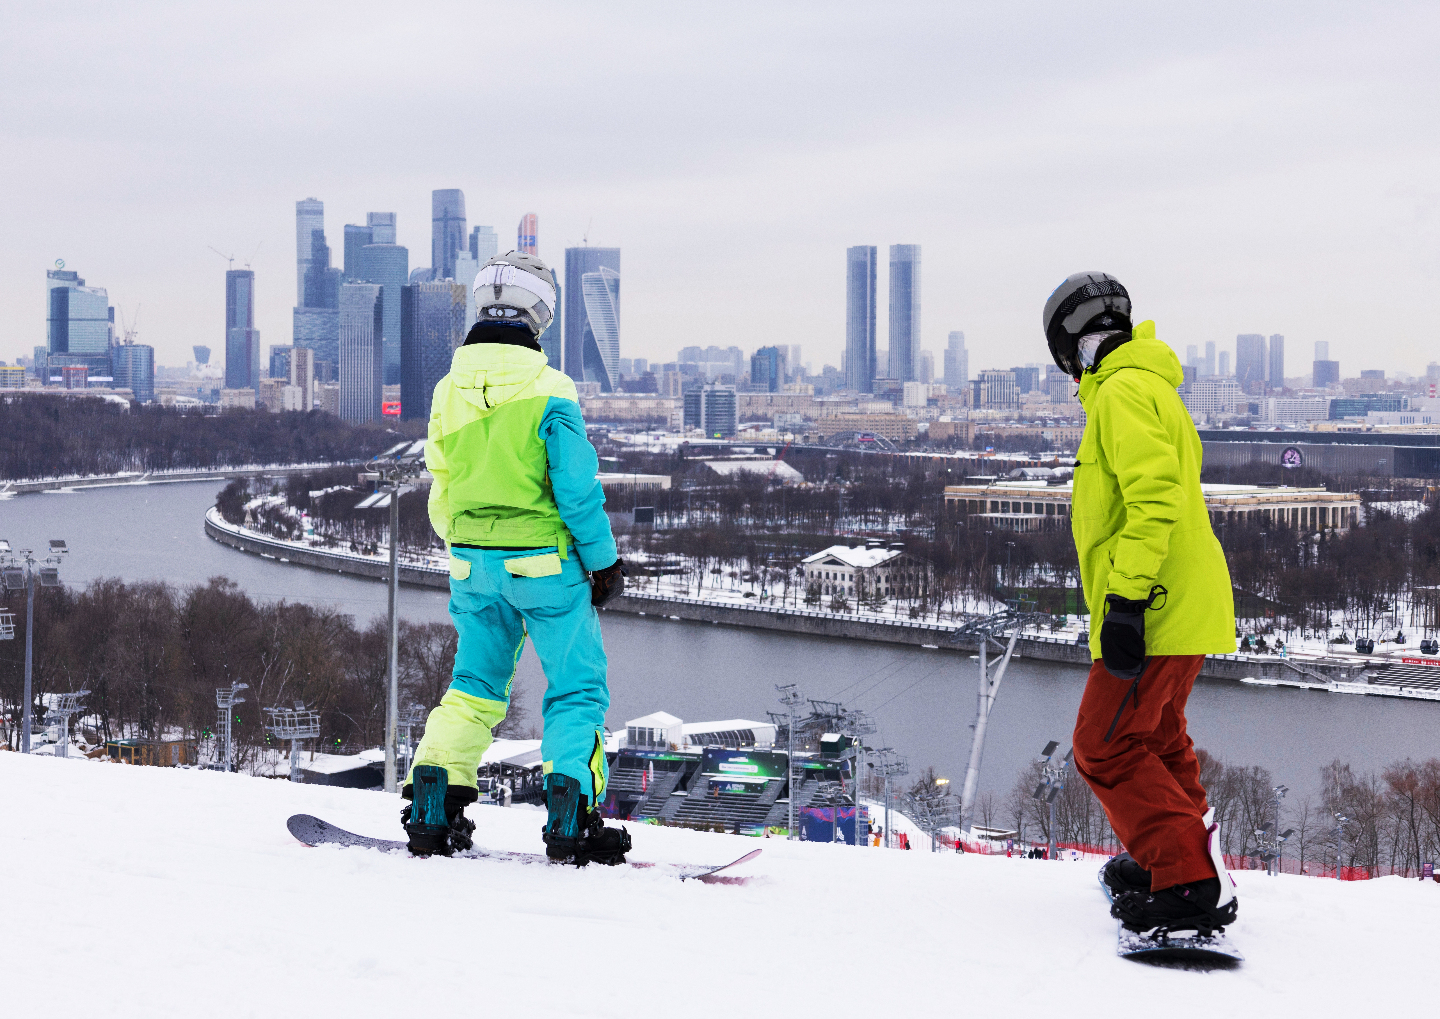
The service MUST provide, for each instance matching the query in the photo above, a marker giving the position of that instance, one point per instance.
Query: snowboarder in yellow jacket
(518, 504)
(1160, 599)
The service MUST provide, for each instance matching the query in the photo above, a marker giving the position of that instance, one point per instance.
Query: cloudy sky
(1241, 167)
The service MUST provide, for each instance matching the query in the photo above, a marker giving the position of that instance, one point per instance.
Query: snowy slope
(161, 892)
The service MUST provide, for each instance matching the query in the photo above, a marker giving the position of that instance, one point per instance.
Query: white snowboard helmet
(517, 289)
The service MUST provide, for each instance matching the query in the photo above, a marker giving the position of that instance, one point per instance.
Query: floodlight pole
(29, 658)
(391, 469)
(392, 701)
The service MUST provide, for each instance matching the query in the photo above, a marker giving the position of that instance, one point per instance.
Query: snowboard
(1191, 949)
(314, 832)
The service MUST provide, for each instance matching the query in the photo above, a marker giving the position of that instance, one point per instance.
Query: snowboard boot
(1190, 907)
(435, 818)
(1122, 874)
(574, 833)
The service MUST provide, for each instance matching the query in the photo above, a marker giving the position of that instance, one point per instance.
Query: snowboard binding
(1189, 907)
(435, 816)
(575, 834)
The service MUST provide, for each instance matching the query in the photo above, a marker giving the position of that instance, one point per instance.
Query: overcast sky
(1241, 167)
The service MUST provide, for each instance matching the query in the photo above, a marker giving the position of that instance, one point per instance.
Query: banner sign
(743, 765)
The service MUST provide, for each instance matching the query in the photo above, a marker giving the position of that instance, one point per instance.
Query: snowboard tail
(316, 832)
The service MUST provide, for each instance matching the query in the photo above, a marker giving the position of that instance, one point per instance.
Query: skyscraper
(382, 227)
(356, 237)
(527, 235)
(301, 374)
(466, 269)
(79, 323)
(1277, 361)
(242, 339)
(309, 230)
(1223, 368)
(1209, 359)
(767, 368)
(1325, 373)
(904, 310)
(447, 230)
(1192, 355)
(316, 315)
(202, 353)
(957, 363)
(388, 265)
(551, 339)
(133, 367)
(592, 315)
(860, 367)
(484, 244)
(1250, 366)
(362, 355)
(432, 319)
(1322, 350)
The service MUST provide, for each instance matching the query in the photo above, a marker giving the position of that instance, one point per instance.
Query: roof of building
(654, 720)
(859, 557)
(776, 469)
(726, 725)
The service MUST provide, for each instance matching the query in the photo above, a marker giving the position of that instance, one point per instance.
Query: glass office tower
(860, 318)
(432, 325)
(592, 315)
(242, 339)
(447, 230)
(904, 311)
(361, 351)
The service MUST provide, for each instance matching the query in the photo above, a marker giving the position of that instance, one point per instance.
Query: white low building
(866, 573)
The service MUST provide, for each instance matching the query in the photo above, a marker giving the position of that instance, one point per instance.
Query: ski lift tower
(226, 697)
(394, 472)
(857, 725)
(790, 697)
(295, 724)
(66, 704)
(20, 573)
(1052, 781)
(890, 765)
(982, 631)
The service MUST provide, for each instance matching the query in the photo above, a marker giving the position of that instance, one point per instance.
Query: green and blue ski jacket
(513, 467)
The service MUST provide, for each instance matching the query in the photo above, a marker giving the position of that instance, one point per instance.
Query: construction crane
(228, 258)
(132, 329)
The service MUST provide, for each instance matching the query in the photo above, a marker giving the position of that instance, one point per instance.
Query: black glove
(1122, 634)
(607, 584)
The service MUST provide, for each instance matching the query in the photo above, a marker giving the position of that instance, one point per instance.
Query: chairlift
(7, 626)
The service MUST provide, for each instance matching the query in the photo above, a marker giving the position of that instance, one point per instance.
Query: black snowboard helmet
(1087, 302)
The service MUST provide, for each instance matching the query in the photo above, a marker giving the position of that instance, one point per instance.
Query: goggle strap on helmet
(1090, 291)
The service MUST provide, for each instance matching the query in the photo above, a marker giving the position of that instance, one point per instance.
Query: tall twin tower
(861, 369)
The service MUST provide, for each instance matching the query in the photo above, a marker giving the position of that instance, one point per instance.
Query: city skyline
(1239, 150)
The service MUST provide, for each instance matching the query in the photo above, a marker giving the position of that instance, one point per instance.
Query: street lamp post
(22, 573)
(392, 471)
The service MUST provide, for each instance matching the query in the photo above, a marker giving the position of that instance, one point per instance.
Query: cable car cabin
(155, 753)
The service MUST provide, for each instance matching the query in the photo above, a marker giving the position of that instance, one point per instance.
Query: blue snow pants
(493, 610)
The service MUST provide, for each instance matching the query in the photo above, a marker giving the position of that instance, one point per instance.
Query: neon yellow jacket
(512, 464)
(1137, 514)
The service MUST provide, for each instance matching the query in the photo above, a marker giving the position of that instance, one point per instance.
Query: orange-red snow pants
(1147, 776)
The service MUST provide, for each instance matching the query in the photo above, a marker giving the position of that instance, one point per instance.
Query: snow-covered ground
(157, 892)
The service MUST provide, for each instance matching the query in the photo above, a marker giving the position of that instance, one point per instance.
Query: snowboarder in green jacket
(1160, 599)
(517, 501)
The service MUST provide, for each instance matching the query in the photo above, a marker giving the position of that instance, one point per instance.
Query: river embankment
(1351, 675)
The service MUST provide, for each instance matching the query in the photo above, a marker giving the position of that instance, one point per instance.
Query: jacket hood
(489, 374)
(1143, 351)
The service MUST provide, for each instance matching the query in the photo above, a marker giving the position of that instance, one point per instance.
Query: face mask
(1090, 344)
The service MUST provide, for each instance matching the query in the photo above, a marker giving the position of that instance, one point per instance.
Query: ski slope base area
(135, 891)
